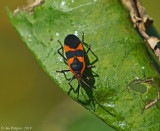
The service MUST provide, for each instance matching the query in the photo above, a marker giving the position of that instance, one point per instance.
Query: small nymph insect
(75, 54)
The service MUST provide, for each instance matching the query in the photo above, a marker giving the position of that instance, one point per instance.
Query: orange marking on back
(80, 47)
(72, 70)
(81, 59)
(66, 48)
(84, 66)
(70, 61)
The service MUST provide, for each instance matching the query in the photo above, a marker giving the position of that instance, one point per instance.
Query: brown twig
(141, 21)
(30, 7)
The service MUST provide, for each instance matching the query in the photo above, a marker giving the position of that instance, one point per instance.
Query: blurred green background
(30, 98)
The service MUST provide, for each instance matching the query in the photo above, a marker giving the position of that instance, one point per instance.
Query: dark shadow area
(89, 79)
(154, 59)
(151, 31)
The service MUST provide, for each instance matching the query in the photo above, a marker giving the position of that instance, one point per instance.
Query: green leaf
(118, 52)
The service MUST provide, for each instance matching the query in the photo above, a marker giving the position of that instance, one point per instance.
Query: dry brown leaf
(30, 7)
(138, 13)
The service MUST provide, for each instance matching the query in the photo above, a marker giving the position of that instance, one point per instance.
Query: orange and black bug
(75, 54)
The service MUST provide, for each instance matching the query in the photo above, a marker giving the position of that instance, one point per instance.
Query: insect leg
(70, 84)
(89, 48)
(60, 49)
(90, 66)
(62, 71)
(78, 92)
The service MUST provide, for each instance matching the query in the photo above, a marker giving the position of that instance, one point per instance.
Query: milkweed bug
(75, 54)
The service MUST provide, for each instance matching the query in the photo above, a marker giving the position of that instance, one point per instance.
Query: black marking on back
(77, 66)
(72, 41)
(70, 54)
(77, 53)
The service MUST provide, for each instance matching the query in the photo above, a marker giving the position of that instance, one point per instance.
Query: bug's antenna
(91, 88)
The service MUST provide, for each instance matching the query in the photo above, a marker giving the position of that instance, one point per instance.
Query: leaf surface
(118, 52)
